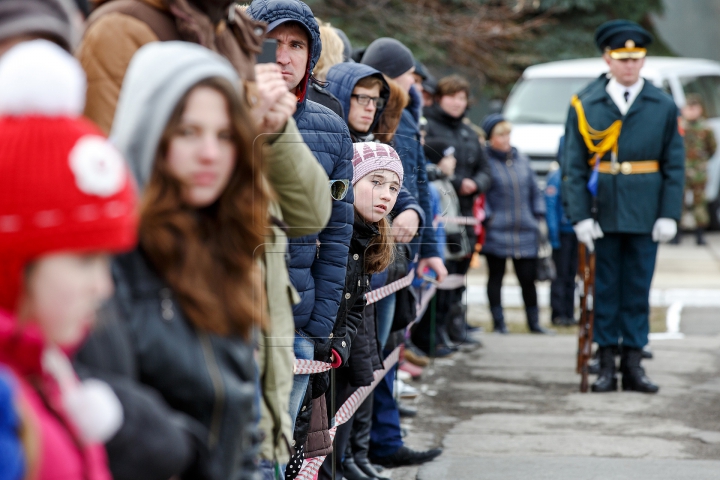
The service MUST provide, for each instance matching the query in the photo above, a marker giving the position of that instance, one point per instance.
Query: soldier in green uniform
(700, 145)
(623, 169)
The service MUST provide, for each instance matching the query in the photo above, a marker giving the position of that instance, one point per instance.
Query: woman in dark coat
(186, 300)
(514, 207)
(445, 126)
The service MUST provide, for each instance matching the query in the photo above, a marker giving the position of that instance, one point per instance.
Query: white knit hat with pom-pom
(40, 78)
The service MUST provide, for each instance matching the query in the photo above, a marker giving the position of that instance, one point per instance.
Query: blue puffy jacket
(317, 262)
(411, 152)
(512, 205)
(557, 221)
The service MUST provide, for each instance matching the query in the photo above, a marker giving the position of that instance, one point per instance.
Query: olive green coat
(626, 203)
(302, 202)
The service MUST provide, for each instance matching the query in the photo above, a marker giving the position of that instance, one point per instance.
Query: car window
(708, 88)
(542, 100)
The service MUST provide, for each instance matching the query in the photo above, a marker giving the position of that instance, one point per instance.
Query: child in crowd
(67, 201)
(700, 146)
(377, 178)
(565, 250)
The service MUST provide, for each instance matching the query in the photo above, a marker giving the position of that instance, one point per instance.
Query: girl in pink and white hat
(376, 182)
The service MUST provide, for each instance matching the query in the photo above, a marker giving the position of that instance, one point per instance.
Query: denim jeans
(304, 350)
(385, 312)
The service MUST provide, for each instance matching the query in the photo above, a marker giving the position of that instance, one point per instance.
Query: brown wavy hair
(389, 121)
(208, 255)
(380, 252)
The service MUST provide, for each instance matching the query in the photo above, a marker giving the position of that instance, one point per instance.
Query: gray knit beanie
(389, 56)
(51, 19)
(150, 94)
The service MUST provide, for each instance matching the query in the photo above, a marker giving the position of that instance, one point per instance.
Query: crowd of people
(181, 224)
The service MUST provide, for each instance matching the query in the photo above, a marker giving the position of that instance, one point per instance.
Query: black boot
(351, 471)
(700, 236)
(457, 327)
(359, 443)
(633, 375)
(606, 381)
(533, 321)
(498, 320)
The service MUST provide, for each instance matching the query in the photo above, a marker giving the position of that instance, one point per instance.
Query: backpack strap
(161, 23)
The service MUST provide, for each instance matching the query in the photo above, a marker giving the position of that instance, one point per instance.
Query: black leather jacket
(208, 381)
(353, 338)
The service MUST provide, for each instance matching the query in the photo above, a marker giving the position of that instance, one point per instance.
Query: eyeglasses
(365, 99)
(339, 189)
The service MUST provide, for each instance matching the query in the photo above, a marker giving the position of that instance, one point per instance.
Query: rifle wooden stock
(586, 271)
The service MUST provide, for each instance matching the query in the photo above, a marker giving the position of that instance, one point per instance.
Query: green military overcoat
(627, 203)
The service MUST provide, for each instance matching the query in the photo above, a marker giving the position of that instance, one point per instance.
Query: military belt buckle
(614, 168)
(626, 168)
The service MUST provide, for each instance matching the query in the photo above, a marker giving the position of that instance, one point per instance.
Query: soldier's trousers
(624, 271)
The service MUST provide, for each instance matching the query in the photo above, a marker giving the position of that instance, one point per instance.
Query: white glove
(664, 230)
(588, 230)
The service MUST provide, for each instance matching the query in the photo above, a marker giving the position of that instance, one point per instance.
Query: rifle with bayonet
(586, 271)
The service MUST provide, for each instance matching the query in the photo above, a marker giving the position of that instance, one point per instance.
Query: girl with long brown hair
(189, 299)
(377, 178)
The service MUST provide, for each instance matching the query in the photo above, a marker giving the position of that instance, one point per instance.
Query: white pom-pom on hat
(40, 78)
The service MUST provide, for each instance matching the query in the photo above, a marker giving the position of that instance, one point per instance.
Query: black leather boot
(457, 327)
(498, 320)
(351, 471)
(633, 375)
(606, 381)
(359, 443)
(533, 321)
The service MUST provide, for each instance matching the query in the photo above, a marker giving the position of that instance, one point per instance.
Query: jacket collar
(435, 112)
(364, 232)
(598, 94)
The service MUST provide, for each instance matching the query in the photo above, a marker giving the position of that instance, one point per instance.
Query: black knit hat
(389, 56)
(51, 19)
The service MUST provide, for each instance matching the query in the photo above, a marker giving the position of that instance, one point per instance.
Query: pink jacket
(62, 453)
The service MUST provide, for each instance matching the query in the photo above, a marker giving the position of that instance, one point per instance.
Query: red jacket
(62, 454)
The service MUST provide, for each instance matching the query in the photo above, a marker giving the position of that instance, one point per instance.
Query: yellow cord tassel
(608, 138)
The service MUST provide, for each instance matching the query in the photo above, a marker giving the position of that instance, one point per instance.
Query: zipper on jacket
(218, 387)
(317, 248)
(518, 208)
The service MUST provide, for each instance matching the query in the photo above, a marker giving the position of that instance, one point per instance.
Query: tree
(473, 37)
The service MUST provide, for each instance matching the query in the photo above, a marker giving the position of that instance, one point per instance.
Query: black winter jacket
(208, 381)
(354, 336)
(471, 160)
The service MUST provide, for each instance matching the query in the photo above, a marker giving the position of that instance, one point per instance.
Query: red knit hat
(63, 186)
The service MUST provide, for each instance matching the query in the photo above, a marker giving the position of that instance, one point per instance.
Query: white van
(538, 104)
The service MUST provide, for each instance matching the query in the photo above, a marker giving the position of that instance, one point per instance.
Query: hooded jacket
(407, 143)
(317, 262)
(210, 388)
(117, 29)
(341, 79)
